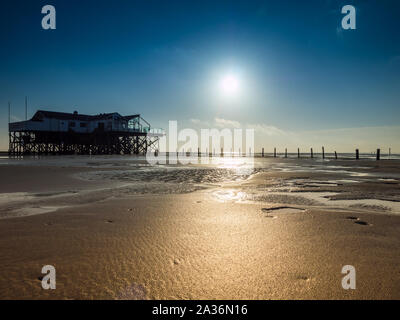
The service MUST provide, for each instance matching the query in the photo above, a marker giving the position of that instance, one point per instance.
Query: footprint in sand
(131, 211)
(358, 221)
(109, 221)
(176, 261)
(304, 278)
(363, 223)
(284, 209)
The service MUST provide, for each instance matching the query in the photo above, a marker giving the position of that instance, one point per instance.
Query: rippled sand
(118, 229)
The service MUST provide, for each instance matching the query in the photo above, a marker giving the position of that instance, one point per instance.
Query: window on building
(71, 124)
(133, 123)
(83, 124)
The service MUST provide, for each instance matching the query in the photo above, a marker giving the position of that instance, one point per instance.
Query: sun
(229, 84)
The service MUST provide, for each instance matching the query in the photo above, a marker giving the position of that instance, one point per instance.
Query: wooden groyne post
(285, 152)
(357, 154)
(262, 152)
(335, 155)
(274, 152)
(378, 154)
(298, 152)
(312, 155)
(323, 153)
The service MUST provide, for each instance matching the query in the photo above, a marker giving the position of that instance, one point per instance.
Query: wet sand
(274, 235)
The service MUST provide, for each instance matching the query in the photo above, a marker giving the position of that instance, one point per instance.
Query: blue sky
(304, 81)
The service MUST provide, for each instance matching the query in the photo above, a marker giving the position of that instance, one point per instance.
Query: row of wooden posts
(378, 153)
(357, 155)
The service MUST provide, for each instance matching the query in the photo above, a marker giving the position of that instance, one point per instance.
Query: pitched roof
(40, 114)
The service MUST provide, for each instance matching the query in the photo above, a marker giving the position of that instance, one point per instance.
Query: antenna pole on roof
(26, 108)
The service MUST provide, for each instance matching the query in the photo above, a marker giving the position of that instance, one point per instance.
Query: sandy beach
(115, 228)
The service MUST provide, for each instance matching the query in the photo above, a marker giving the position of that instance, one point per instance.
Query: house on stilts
(50, 132)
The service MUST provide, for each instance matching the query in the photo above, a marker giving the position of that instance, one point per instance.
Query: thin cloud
(224, 123)
(198, 122)
(267, 129)
(261, 128)
(195, 121)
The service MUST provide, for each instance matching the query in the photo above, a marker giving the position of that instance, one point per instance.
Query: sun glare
(229, 85)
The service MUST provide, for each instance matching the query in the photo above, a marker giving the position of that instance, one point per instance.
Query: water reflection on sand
(333, 184)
